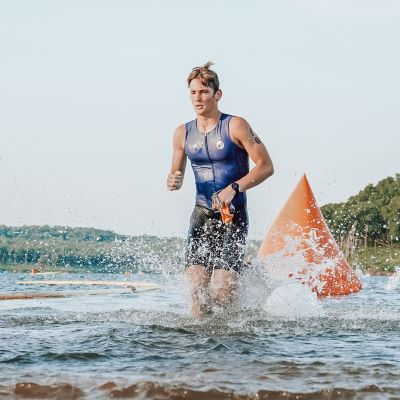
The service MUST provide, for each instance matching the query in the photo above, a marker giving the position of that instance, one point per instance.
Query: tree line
(61, 233)
(373, 214)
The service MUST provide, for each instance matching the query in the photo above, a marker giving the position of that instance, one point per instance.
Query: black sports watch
(235, 187)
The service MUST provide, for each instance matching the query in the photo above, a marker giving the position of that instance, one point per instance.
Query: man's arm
(178, 165)
(242, 134)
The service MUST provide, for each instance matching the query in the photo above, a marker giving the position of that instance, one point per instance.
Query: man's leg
(199, 280)
(229, 247)
(223, 287)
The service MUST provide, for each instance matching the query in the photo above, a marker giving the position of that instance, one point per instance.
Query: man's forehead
(197, 84)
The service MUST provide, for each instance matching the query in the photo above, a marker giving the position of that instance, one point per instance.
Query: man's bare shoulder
(180, 129)
(239, 123)
(179, 136)
(242, 133)
(238, 127)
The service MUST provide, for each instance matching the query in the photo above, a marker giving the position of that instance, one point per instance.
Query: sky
(91, 92)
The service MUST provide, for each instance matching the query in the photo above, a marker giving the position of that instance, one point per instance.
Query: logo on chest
(196, 146)
(220, 145)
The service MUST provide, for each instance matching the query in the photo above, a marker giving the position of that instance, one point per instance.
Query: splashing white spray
(394, 280)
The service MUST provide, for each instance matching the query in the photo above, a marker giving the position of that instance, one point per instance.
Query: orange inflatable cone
(301, 219)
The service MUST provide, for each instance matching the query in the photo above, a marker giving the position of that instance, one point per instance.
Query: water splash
(285, 283)
(151, 254)
(394, 280)
(277, 284)
(293, 301)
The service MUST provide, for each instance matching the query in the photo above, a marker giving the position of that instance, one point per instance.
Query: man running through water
(218, 146)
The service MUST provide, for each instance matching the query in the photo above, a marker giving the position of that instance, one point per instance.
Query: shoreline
(24, 269)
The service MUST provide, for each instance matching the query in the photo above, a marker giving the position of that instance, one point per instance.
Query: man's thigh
(198, 275)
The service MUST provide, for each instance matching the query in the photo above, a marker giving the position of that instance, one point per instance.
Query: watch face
(235, 187)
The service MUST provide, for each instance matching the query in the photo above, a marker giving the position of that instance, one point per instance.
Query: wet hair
(206, 75)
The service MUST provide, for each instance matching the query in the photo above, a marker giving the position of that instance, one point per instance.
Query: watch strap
(235, 187)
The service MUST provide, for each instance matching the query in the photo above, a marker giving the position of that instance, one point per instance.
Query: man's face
(202, 97)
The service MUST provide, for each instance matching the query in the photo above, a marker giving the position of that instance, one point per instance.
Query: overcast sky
(91, 92)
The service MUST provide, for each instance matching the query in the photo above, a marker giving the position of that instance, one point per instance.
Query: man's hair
(207, 76)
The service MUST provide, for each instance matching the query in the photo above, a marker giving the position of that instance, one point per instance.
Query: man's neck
(206, 123)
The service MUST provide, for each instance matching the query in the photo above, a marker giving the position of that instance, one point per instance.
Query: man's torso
(216, 160)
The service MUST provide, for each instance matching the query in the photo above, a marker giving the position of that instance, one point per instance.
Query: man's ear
(218, 94)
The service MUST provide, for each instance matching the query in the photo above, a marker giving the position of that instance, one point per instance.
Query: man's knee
(223, 286)
(220, 296)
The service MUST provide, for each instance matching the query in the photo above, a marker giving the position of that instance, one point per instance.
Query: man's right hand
(174, 180)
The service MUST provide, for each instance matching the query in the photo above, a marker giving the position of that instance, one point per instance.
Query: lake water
(282, 342)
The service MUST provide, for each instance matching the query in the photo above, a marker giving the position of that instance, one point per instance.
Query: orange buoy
(301, 219)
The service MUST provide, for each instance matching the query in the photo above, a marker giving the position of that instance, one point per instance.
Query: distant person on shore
(218, 146)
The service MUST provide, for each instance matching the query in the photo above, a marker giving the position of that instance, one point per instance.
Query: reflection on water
(282, 343)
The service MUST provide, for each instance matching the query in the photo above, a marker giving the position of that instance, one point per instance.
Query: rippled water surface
(282, 343)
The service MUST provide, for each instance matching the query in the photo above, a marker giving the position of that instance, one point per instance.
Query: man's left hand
(225, 196)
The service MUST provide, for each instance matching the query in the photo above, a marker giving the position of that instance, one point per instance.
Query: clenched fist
(174, 180)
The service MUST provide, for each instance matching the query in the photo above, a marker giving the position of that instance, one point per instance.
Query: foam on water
(293, 301)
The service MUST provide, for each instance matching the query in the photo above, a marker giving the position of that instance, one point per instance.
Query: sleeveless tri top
(216, 160)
